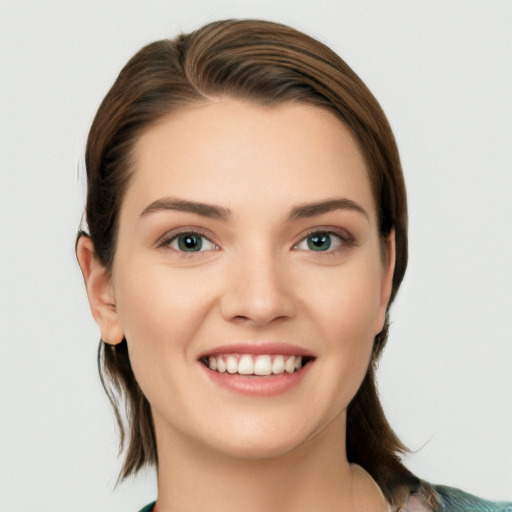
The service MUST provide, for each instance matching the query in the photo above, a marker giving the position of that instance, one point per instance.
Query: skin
(257, 280)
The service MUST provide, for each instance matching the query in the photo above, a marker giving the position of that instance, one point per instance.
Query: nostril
(257, 296)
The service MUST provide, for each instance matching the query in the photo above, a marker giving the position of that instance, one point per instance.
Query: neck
(314, 476)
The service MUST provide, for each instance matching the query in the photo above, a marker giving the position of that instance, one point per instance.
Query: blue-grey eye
(320, 241)
(191, 242)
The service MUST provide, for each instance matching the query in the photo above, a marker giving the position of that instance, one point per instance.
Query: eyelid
(347, 240)
(166, 239)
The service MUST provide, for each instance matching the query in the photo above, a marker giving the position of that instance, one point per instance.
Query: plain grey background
(442, 71)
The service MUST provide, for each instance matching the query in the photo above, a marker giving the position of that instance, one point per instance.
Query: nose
(257, 290)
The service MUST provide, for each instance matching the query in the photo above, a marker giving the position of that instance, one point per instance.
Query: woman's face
(247, 241)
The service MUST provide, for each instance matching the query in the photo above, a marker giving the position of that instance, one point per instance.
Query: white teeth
(278, 365)
(232, 365)
(289, 366)
(221, 365)
(245, 365)
(261, 365)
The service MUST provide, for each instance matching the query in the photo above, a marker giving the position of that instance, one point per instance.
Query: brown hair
(267, 63)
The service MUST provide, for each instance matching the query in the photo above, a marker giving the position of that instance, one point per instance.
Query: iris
(190, 242)
(319, 241)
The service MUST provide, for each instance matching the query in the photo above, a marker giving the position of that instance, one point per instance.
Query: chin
(256, 451)
(264, 444)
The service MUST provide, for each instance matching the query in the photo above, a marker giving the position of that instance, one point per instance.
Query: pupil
(190, 243)
(319, 242)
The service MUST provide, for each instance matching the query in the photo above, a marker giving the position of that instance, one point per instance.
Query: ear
(388, 270)
(100, 292)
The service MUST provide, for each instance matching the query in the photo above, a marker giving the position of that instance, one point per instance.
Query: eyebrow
(317, 208)
(218, 212)
(182, 205)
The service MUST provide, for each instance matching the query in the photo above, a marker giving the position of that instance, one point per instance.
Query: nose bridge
(257, 288)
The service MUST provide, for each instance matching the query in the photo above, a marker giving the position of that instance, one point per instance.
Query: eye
(191, 242)
(320, 241)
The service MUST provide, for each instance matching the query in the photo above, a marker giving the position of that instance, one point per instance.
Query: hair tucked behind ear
(267, 63)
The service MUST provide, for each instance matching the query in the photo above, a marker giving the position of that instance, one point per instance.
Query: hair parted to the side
(270, 64)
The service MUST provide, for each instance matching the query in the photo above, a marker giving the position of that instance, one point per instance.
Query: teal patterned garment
(455, 500)
(451, 499)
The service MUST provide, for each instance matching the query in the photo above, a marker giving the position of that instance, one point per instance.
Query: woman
(247, 233)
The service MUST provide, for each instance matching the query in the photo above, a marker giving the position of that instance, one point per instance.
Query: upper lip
(285, 349)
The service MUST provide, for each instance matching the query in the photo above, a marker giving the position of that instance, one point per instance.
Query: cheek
(346, 313)
(159, 312)
(348, 302)
(349, 331)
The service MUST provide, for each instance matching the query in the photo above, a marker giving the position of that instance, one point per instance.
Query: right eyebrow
(183, 205)
(320, 207)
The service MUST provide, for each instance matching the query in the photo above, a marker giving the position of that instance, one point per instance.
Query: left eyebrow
(176, 204)
(317, 208)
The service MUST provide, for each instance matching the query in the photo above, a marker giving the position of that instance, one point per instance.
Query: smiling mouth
(256, 365)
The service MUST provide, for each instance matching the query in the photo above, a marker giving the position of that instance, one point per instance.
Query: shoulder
(455, 500)
(441, 498)
(148, 508)
(450, 500)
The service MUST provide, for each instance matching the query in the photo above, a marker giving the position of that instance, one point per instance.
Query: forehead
(233, 152)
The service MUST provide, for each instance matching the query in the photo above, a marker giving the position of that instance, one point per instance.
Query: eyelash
(169, 239)
(344, 240)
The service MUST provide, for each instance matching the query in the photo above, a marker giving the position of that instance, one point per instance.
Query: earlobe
(100, 292)
(387, 280)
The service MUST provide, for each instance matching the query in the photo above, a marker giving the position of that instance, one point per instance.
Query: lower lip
(258, 385)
